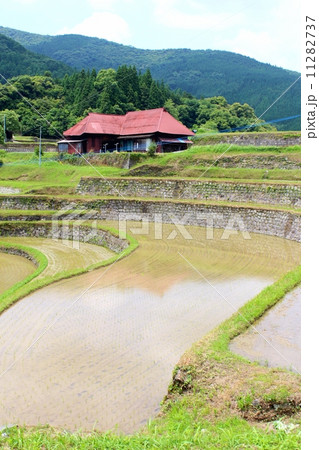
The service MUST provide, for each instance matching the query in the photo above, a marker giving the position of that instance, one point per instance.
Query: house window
(127, 145)
(63, 147)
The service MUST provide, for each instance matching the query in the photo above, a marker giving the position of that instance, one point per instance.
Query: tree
(171, 108)
(1, 135)
(155, 97)
(11, 120)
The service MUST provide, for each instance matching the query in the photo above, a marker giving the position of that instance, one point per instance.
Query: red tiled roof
(96, 123)
(132, 123)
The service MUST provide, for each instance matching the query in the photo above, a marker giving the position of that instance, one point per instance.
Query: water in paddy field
(63, 255)
(111, 337)
(13, 269)
(275, 340)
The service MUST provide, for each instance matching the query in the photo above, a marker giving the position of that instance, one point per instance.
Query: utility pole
(40, 149)
(4, 127)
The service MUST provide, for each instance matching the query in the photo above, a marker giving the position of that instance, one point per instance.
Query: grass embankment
(216, 399)
(22, 170)
(31, 283)
(37, 257)
(223, 161)
(51, 177)
(218, 138)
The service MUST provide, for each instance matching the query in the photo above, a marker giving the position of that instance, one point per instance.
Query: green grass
(206, 161)
(22, 170)
(216, 138)
(27, 213)
(241, 174)
(230, 149)
(37, 256)
(50, 174)
(25, 157)
(250, 312)
(182, 429)
(203, 151)
(22, 138)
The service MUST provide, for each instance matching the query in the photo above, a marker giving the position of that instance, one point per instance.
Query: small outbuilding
(132, 132)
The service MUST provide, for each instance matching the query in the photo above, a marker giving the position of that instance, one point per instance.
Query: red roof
(132, 123)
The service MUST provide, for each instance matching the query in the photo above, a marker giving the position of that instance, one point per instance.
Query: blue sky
(267, 31)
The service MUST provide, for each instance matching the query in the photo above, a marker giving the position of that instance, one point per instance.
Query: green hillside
(16, 60)
(203, 73)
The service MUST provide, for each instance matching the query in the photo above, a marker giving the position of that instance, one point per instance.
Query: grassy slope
(22, 170)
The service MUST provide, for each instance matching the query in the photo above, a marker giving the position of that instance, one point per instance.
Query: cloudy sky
(268, 31)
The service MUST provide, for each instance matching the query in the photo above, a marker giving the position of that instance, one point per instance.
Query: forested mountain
(16, 60)
(203, 73)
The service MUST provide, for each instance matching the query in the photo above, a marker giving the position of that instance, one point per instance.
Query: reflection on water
(13, 269)
(118, 332)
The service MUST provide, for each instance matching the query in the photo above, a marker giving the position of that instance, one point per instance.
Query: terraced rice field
(98, 350)
(13, 269)
(281, 328)
(62, 254)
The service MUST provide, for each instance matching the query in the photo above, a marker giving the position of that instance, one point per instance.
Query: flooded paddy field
(13, 268)
(98, 350)
(275, 340)
(63, 255)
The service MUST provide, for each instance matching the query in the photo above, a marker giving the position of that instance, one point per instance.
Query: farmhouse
(133, 131)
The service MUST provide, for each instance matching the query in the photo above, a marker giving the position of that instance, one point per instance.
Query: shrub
(152, 149)
(37, 148)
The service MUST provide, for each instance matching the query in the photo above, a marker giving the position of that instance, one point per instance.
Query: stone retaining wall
(279, 223)
(273, 194)
(247, 161)
(19, 252)
(283, 139)
(67, 230)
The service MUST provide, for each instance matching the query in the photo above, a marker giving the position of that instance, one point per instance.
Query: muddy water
(13, 269)
(275, 340)
(114, 335)
(62, 254)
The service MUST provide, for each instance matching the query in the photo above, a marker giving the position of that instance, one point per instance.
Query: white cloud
(276, 41)
(171, 14)
(104, 25)
(107, 5)
(102, 5)
(25, 2)
(249, 43)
